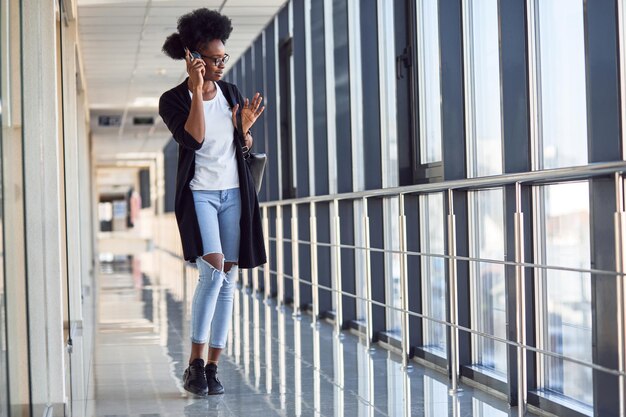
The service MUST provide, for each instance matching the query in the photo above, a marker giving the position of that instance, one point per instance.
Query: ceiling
(126, 72)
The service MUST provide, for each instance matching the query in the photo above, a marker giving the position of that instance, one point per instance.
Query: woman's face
(213, 52)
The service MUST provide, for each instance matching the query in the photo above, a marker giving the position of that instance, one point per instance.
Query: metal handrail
(464, 258)
(530, 177)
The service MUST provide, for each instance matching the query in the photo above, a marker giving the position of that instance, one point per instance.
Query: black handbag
(256, 161)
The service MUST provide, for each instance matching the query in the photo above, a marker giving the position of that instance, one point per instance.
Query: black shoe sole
(220, 392)
(196, 392)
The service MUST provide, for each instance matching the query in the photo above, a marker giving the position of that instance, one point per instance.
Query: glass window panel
(487, 279)
(392, 265)
(433, 272)
(429, 81)
(562, 87)
(483, 88)
(565, 296)
(359, 267)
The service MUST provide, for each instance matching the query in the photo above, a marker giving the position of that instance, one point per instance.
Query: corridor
(443, 205)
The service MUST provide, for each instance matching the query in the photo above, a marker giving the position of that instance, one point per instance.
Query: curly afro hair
(196, 28)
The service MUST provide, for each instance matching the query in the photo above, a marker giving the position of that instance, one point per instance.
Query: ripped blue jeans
(218, 215)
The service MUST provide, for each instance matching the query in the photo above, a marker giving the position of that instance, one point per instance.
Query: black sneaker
(215, 386)
(194, 378)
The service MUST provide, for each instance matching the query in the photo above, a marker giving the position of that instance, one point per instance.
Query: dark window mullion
(604, 144)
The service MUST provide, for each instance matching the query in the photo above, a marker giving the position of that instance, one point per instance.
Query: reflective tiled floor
(275, 364)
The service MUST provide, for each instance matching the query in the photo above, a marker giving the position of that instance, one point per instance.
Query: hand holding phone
(195, 68)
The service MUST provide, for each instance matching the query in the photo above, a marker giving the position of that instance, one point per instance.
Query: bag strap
(240, 125)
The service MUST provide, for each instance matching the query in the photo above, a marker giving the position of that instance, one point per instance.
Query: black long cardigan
(174, 107)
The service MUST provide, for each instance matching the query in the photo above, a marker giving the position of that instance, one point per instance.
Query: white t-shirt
(216, 163)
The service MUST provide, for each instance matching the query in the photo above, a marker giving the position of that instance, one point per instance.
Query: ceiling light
(146, 102)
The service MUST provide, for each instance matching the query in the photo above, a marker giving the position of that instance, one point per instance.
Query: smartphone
(195, 55)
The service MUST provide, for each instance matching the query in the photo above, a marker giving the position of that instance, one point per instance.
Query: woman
(216, 203)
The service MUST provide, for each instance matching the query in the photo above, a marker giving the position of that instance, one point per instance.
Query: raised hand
(250, 112)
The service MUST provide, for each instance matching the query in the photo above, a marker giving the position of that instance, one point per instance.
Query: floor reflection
(275, 364)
